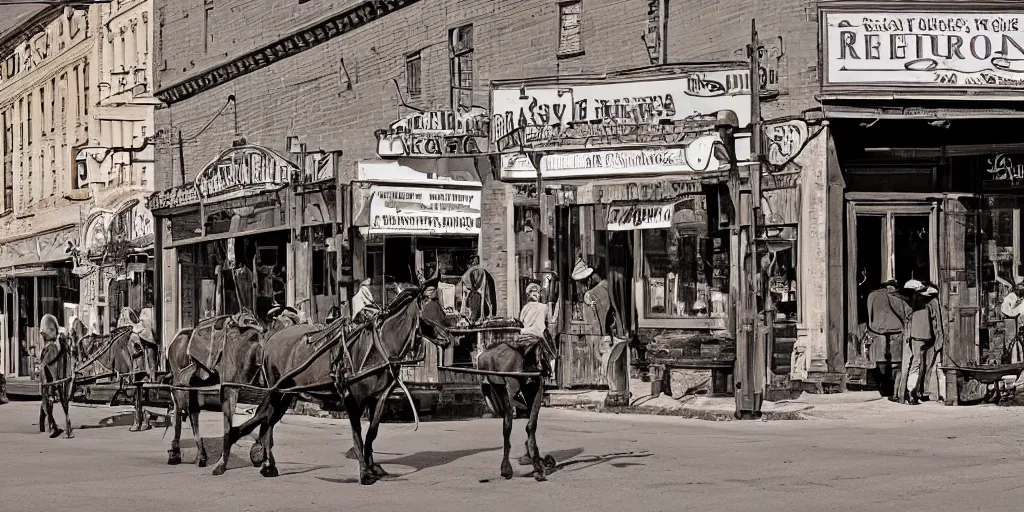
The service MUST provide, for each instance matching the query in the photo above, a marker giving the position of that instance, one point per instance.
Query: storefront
(626, 222)
(37, 279)
(240, 234)
(116, 266)
(409, 226)
(932, 188)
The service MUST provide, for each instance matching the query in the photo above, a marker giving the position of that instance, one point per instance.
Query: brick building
(308, 75)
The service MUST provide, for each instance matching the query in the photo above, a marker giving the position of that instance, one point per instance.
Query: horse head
(244, 321)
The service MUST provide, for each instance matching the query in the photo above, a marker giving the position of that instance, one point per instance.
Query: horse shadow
(125, 420)
(417, 461)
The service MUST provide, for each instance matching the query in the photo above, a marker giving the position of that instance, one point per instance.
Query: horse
(237, 362)
(114, 354)
(503, 393)
(321, 362)
(57, 374)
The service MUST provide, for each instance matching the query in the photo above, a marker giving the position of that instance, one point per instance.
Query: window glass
(686, 266)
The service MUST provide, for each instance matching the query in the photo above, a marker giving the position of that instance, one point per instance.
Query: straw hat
(915, 285)
(581, 271)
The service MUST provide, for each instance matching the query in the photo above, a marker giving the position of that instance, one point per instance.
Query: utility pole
(751, 362)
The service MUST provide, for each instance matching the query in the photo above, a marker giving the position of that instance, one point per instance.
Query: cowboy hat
(930, 292)
(581, 271)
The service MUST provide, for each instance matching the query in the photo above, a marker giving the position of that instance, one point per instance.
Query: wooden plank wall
(836, 312)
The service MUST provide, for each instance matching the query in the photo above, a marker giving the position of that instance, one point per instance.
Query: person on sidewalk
(932, 382)
(916, 331)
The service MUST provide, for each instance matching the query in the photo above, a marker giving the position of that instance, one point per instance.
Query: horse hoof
(379, 471)
(540, 477)
(134, 428)
(69, 435)
(201, 463)
(174, 460)
(525, 460)
(269, 471)
(549, 462)
(219, 470)
(56, 433)
(367, 478)
(256, 455)
(506, 471)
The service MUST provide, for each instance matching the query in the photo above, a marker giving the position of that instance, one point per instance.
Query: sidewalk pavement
(848, 405)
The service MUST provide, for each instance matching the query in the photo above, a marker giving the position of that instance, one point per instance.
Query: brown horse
(57, 374)
(238, 362)
(355, 365)
(503, 394)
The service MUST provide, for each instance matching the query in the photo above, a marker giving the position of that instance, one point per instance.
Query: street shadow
(125, 420)
(616, 460)
(417, 461)
(214, 449)
(309, 469)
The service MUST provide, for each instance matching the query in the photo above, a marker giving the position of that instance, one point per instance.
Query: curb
(685, 412)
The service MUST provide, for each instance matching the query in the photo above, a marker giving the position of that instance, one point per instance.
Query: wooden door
(960, 282)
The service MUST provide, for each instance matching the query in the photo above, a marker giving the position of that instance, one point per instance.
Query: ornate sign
(435, 133)
(1004, 167)
(925, 49)
(782, 141)
(242, 171)
(416, 210)
(181, 195)
(640, 216)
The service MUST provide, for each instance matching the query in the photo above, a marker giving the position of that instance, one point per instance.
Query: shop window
(527, 230)
(461, 63)
(324, 272)
(413, 70)
(686, 266)
(777, 251)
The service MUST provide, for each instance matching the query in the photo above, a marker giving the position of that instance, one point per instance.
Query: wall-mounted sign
(132, 222)
(640, 216)
(242, 171)
(421, 210)
(174, 197)
(58, 36)
(697, 157)
(97, 232)
(435, 133)
(616, 111)
(1007, 168)
(782, 141)
(930, 48)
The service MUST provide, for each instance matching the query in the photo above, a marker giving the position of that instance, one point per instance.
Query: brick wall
(335, 95)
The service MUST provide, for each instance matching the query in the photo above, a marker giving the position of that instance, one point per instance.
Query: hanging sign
(934, 49)
(640, 216)
(242, 171)
(415, 210)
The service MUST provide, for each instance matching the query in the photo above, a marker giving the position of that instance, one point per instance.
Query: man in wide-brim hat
(598, 310)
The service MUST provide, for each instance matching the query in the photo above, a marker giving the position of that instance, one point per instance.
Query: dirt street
(925, 458)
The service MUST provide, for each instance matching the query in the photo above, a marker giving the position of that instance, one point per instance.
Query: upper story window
(461, 52)
(413, 75)
(570, 28)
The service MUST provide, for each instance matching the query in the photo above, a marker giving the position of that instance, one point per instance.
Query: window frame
(560, 52)
(667, 321)
(455, 65)
(414, 81)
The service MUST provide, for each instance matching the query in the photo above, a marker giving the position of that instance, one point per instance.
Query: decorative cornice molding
(312, 35)
(32, 26)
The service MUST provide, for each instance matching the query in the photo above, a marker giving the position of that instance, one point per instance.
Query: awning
(417, 210)
(42, 249)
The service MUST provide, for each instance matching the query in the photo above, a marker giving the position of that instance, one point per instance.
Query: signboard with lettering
(435, 133)
(423, 210)
(640, 216)
(783, 141)
(699, 156)
(951, 49)
(1004, 169)
(242, 171)
(174, 197)
(616, 111)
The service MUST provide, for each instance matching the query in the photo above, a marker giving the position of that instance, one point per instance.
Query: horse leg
(260, 418)
(178, 401)
(505, 403)
(65, 399)
(539, 471)
(354, 408)
(140, 399)
(193, 418)
(278, 408)
(526, 459)
(376, 413)
(228, 399)
(47, 406)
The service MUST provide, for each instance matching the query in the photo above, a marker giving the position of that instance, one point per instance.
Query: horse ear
(432, 282)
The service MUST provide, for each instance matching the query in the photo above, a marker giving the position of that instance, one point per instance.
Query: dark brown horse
(102, 355)
(504, 392)
(57, 374)
(238, 361)
(357, 366)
